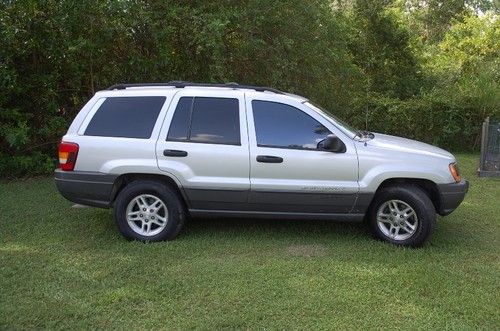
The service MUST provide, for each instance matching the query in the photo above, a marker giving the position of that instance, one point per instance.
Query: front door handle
(269, 159)
(174, 153)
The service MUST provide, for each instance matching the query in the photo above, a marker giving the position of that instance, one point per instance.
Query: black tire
(168, 195)
(417, 199)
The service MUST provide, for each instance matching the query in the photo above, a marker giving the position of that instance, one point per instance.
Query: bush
(427, 119)
(358, 59)
(34, 164)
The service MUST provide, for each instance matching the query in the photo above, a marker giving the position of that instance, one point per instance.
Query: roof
(182, 84)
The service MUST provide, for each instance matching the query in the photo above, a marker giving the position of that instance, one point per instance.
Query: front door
(288, 174)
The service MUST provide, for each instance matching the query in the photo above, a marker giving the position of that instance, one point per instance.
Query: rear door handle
(269, 159)
(175, 153)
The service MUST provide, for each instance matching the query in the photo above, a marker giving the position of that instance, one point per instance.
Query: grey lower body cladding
(451, 196)
(266, 204)
(86, 188)
(267, 201)
(97, 190)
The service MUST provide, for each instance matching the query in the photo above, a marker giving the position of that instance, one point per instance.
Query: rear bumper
(86, 188)
(451, 196)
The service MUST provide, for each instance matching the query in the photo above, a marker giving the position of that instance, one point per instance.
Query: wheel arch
(429, 187)
(123, 180)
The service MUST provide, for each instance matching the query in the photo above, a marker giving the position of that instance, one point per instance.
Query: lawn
(64, 267)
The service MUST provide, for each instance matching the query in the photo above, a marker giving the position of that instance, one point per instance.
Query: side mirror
(332, 143)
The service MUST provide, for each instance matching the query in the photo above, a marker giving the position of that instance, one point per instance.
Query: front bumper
(451, 196)
(85, 188)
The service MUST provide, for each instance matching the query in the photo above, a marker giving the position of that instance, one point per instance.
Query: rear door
(287, 172)
(204, 144)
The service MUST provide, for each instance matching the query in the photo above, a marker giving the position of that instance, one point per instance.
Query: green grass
(62, 267)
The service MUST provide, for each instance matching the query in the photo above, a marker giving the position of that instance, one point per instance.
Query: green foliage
(431, 19)
(380, 64)
(35, 163)
(383, 51)
(430, 117)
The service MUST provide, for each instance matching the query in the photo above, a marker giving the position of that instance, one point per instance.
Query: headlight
(455, 172)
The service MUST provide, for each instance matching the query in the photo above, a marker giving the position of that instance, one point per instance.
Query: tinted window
(179, 126)
(280, 125)
(206, 120)
(130, 117)
(215, 120)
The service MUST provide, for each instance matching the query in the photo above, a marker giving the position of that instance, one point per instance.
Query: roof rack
(182, 84)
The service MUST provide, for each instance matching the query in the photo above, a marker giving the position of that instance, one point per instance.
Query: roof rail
(182, 84)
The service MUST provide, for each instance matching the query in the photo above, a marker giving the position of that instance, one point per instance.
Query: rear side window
(206, 120)
(283, 126)
(129, 117)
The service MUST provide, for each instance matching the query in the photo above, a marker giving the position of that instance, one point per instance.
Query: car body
(231, 150)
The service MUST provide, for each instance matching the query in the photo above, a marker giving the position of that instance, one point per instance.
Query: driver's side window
(284, 126)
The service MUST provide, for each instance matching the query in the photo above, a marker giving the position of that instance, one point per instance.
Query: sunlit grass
(62, 267)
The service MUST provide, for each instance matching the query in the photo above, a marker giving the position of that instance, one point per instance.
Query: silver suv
(158, 153)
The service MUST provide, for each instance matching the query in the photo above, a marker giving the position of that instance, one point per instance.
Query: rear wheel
(403, 215)
(149, 211)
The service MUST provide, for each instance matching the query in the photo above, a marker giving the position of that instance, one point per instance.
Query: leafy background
(427, 70)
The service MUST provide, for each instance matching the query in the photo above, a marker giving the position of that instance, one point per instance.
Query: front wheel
(403, 215)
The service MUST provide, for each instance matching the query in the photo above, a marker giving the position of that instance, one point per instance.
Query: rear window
(128, 117)
(206, 120)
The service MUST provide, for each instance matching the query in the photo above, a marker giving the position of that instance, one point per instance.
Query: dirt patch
(307, 250)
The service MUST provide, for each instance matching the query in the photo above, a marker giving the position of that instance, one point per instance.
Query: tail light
(67, 155)
(455, 173)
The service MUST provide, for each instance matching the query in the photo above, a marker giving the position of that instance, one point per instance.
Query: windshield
(341, 125)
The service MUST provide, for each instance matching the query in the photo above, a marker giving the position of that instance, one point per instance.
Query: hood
(407, 146)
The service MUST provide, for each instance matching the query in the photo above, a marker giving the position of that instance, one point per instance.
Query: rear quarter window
(127, 117)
